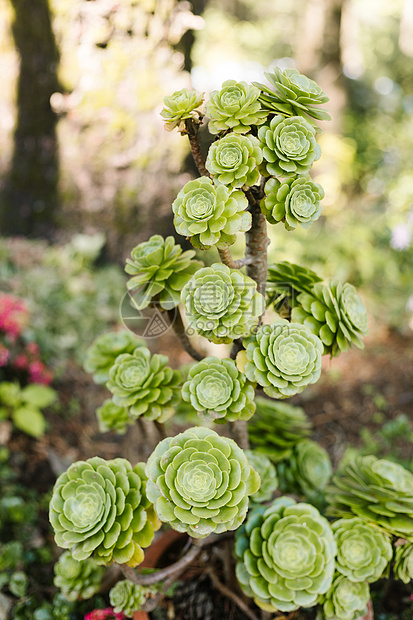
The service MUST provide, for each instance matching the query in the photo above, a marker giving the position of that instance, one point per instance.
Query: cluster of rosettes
(103, 352)
(307, 471)
(363, 551)
(283, 358)
(77, 580)
(292, 93)
(159, 269)
(288, 146)
(222, 304)
(127, 597)
(210, 215)
(286, 555)
(377, 491)
(234, 107)
(199, 482)
(179, 107)
(346, 599)
(277, 427)
(295, 201)
(234, 160)
(99, 508)
(145, 385)
(335, 313)
(219, 391)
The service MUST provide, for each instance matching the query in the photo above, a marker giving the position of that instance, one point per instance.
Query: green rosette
(77, 580)
(403, 565)
(199, 482)
(267, 474)
(127, 597)
(100, 509)
(345, 600)
(145, 385)
(376, 490)
(307, 471)
(111, 417)
(292, 93)
(159, 269)
(285, 281)
(233, 160)
(294, 201)
(222, 304)
(102, 353)
(179, 107)
(335, 313)
(288, 146)
(235, 107)
(363, 551)
(219, 391)
(210, 215)
(285, 555)
(282, 357)
(276, 428)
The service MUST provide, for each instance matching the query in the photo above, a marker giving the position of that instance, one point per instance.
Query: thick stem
(226, 258)
(240, 430)
(257, 242)
(178, 326)
(175, 569)
(192, 129)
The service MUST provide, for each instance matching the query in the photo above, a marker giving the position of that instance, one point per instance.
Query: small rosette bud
(346, 600)
(77, 580)
(180, 106)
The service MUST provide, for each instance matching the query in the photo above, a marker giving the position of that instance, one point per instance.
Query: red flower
(104, 614)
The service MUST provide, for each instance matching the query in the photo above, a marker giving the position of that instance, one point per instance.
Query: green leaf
(29, 420)
(18, 584)
(10, 393)
(39, 395)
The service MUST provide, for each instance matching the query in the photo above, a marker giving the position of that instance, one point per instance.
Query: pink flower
(104, 614)
(14, 315)
(38, 373)
(4, 355)
(21, 361)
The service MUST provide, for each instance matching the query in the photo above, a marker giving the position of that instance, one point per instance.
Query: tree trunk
(30, 195)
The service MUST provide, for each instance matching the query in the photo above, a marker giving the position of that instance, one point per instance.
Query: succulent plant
(267, 473)
(403, 565)
(282, 357)
(294, 201)
(99, 508)
(221, 303)
(292, 93)
(199, 482)
(160, 269)
(277, 427)
(285, 282)
(180, 106)
(127, 597)
(219, 391)
(77, 580)
(111, 417)
(307, 470)
(233, 160)
(102, 353)
(363, 551)
(376, 490)
(346, 600)
(335, 313)
(210, 215)
(288, 146)
(235, 107)
(286, 555)
(145, 384)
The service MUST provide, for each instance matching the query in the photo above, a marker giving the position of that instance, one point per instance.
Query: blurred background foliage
(100, 162)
